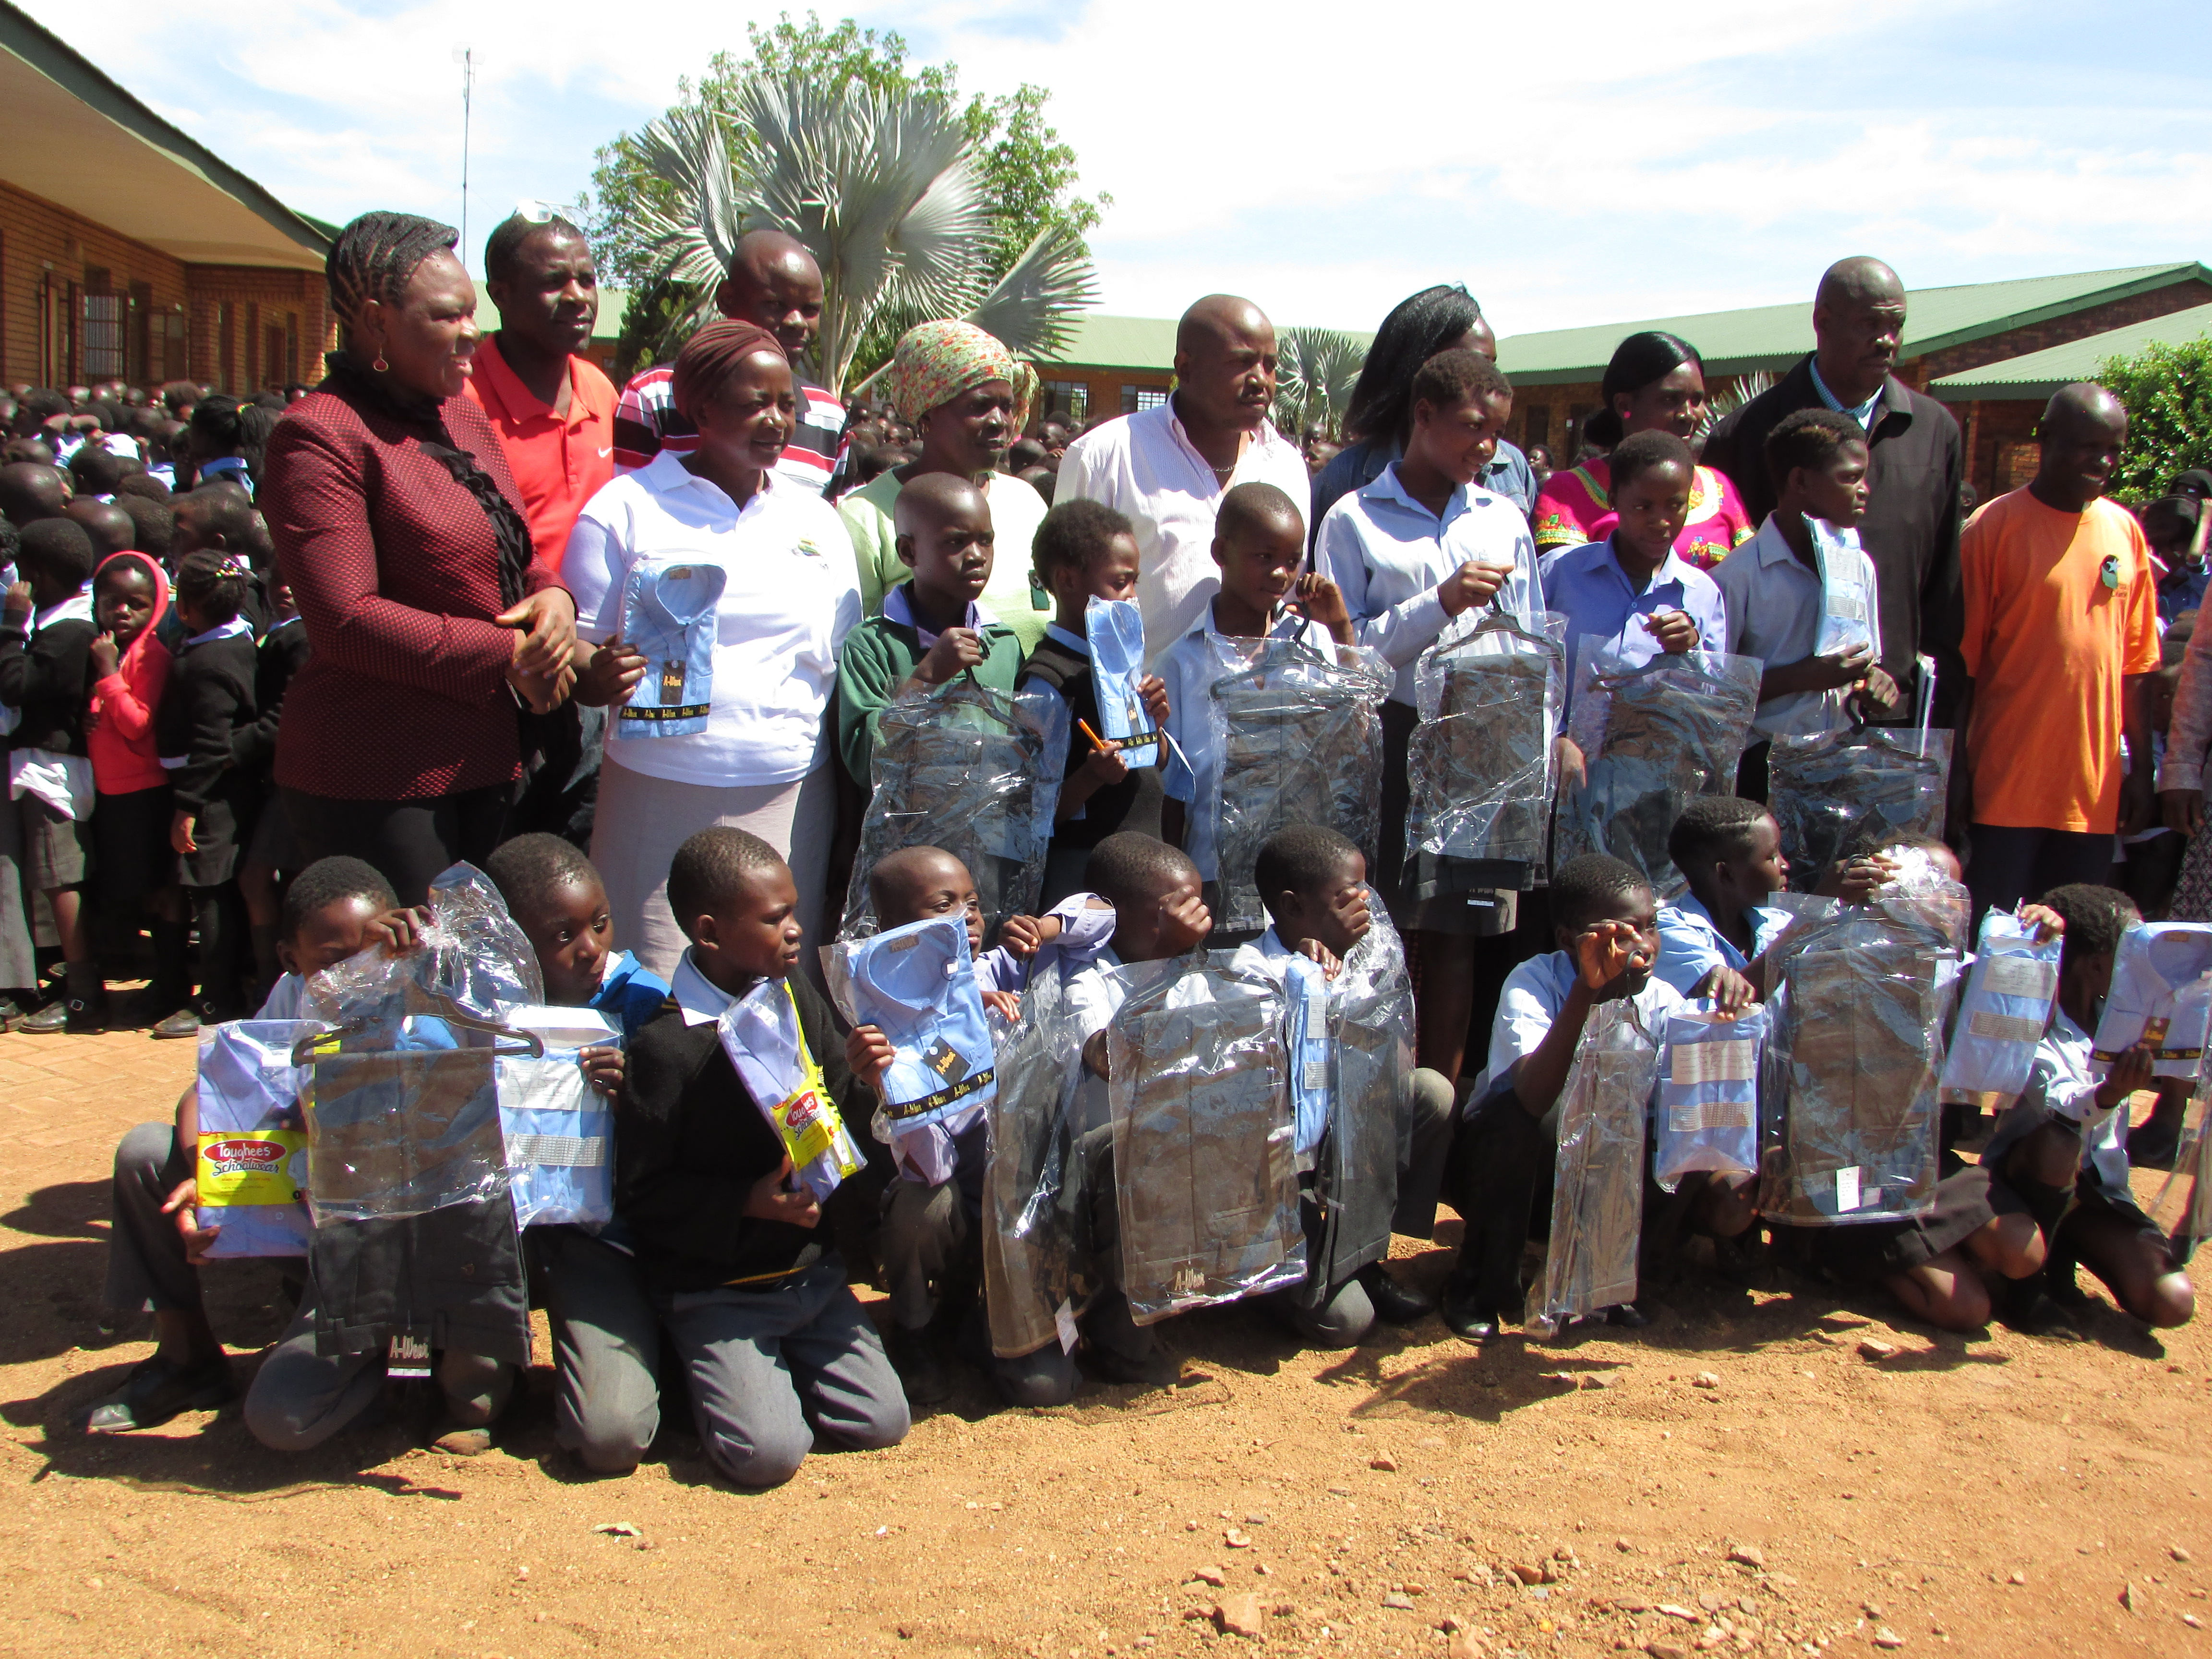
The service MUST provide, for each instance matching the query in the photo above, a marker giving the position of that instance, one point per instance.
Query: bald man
(774, 283)
(31, 490)
(2061, 639)
(1168, 467)
(1915, 467)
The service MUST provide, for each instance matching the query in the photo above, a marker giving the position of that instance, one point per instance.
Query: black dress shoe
(1628, 1316)
(1472, 1320)
(1394, 1303)
(158, 1390)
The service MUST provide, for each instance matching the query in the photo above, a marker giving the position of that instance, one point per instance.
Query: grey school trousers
(771, 1369)
(606, 1346)
(147, 1272)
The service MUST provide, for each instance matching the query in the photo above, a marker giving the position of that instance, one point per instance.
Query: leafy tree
(2167, 390)
(1029, 171)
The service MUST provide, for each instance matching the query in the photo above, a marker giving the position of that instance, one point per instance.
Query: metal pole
(468, 82)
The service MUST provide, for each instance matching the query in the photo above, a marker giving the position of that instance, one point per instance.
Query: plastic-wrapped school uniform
(1849, 1081)
(1838, 794)
(2003, 1014)
(1480, 773)
(1653, 738)
(1707, 1111)
(1300, 739)
(2161, 992)
(970, 769)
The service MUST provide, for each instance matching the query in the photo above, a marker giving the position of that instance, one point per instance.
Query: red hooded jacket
(121, 740)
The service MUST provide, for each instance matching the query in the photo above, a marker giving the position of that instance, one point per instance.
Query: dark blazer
(208, 701)
(49, 677)
(284, 649)
(396, 572)
(1912, 527)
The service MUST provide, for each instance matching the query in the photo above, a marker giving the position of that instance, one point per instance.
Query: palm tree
(885, 191)
(1315, 371)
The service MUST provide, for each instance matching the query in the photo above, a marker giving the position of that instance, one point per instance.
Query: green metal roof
(1774, 337)
(2038, 373)
(613, 302)
(1132, 343)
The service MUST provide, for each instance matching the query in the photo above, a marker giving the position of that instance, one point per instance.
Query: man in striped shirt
(774, 283)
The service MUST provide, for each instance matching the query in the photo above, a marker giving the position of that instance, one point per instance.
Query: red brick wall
(34, 235)
(2058, 330)
(233, 309)
(1104, 385)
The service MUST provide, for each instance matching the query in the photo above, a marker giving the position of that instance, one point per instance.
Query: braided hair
(375, 255)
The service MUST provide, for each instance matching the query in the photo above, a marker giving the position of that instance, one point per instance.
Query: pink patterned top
(1574, 507)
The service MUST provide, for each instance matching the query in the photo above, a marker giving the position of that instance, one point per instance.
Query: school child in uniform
(1806, 564)
(606, 1340)
(1259, 542)
(932, 626)
(1606, 923)
(1419, 547)
(274, 850)
(2060, 1156)
(751, 1290)
(135, 868)
(1084, 550)
(156, 1248)
(1313, 882)
(210, 701)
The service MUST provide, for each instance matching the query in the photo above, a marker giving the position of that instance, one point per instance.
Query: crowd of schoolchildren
(145, 648)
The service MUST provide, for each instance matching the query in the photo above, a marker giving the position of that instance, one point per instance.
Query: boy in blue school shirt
(1314, 883)
(1632, 596)
(1605, 923)
(1259, 543)
(1710, 938)
(606, 1340)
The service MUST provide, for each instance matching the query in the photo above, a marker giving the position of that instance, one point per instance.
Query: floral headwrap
(935, 362)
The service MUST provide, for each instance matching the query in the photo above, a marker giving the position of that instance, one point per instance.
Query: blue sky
(1662, 159)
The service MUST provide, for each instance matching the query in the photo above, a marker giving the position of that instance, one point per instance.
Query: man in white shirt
(1168, 467)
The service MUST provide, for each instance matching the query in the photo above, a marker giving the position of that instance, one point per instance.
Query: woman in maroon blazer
(430, 621)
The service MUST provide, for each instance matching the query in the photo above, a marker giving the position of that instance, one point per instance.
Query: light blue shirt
(1691, 946)
(1507, 475)
(1387, 553)
(1864, 414)
(1587, 585)
(1533, 996)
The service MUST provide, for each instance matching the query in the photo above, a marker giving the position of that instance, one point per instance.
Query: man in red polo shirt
(554, 410)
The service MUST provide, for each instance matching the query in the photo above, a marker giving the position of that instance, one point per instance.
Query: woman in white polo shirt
(741, 582)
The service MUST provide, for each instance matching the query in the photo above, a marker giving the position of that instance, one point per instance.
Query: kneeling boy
(754, 1297)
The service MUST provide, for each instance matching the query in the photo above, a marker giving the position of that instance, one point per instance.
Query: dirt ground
(1739, 1476)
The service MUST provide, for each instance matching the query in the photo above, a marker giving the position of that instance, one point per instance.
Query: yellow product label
(809, 1123)
(248, 1166)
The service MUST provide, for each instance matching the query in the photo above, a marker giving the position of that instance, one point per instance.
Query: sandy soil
(1739, 1476)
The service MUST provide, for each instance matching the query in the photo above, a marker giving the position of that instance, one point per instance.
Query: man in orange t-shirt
(554, 410)
(2060, 641)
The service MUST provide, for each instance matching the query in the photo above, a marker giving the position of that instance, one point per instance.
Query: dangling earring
(379, 364)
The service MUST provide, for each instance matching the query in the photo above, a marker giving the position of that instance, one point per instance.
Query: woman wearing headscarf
(1380, 417)
(967, 396)
(1656, 382)
(717, 595)
(430, 622)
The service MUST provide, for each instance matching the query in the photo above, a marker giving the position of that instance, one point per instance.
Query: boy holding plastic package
(1606, 925)
(1800, 595)
(2060, 1156)
(733, 1141)
(1084, 551)
(166, 1227)
(606, 1340)
(1314, 883)
(933, 628)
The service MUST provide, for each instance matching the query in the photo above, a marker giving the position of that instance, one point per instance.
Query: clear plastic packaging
(559, 1130)
(1479, 767)
(1115, 629)
(1597, 1187)
(1846, 604)
(975, 771)
(767, 1047)
(1708, 1117)
(917, 985)
(251, 1159)
(1204, 1173)
(1300, 739)
(1029, 1269)
(2003, 1014)
(1840, 794)
(1371, 1025)
(1848, 1110)
(1653, 739)
(671, 616)
(2183, 1207)
(470, 953)
(2161, 994)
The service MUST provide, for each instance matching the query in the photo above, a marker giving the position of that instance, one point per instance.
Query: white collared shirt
(790, 598)
(1189, 670)
(1775, 602)
(1143, 465)
(1387, 554)
(698, 999)
(1533, 996)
